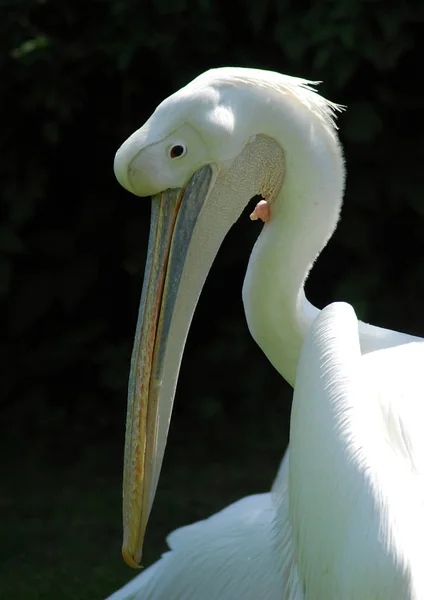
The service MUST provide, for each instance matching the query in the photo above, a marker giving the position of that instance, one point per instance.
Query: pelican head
(202, 155)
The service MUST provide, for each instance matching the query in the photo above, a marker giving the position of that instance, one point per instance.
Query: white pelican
(229, 135)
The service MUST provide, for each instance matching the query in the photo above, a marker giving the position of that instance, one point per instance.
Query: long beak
(187, 229)
(158, 347)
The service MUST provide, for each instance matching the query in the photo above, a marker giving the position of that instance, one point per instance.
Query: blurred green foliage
(78, 78)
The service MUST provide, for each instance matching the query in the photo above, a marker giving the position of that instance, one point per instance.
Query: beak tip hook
(129, 559)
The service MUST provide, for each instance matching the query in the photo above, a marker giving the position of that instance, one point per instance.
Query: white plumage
(204, 558)
(357, 464)
(344, 520)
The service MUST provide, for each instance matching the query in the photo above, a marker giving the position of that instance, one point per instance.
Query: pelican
(344, 517)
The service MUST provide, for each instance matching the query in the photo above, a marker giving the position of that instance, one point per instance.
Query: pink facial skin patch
(262, 212)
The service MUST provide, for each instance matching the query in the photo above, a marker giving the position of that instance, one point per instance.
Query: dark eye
(177, 151)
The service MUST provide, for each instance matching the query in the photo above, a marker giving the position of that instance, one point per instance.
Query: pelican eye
(178, 151)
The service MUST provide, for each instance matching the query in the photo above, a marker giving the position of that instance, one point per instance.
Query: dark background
(77, 77)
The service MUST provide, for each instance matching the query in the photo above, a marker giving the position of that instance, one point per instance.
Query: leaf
(30, 46)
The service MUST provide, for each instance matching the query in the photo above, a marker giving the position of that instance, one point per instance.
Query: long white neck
(303, 218)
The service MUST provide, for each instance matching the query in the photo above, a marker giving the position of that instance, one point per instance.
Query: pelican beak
(163, 323)
(186, 231)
